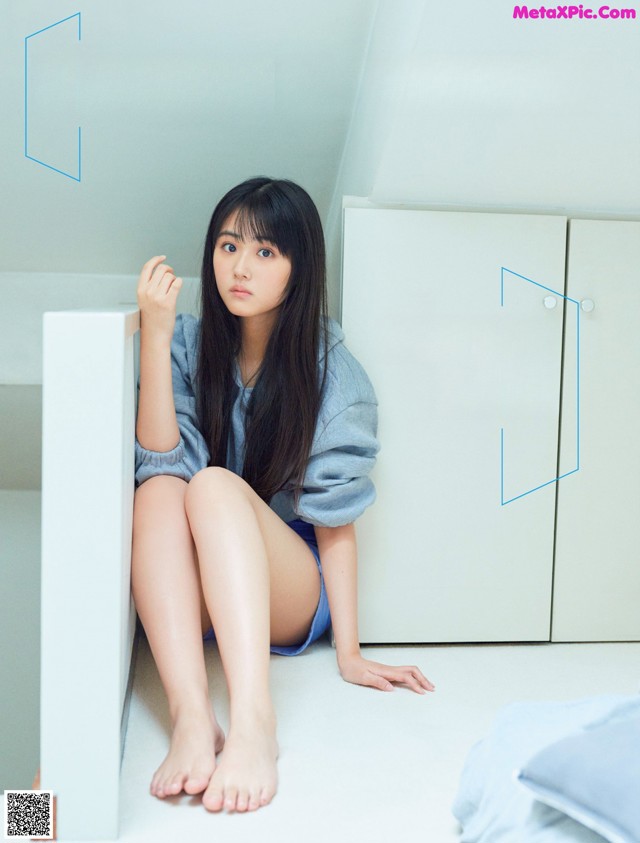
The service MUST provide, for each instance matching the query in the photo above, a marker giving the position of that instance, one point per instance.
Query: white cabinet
(458, 319)
(596, 594)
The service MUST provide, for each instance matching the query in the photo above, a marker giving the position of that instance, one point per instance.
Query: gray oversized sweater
(337, 488)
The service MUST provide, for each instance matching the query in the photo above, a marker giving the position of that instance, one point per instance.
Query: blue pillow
(594, 776)
(491, 805)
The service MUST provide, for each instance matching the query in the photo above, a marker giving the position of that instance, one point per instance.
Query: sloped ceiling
(177, 102)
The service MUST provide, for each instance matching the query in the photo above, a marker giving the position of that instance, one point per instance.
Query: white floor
(355, 762)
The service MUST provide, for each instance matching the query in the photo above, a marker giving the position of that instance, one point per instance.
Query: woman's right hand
(157, 292)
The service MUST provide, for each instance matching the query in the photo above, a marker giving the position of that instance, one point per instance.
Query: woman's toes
(213, 800)
(196, 783)
(175, 785)
(242, 802)
(230, 797)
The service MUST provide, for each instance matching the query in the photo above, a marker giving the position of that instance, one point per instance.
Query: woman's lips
(240, 292)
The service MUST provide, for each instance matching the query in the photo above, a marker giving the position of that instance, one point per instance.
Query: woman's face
(251, 275)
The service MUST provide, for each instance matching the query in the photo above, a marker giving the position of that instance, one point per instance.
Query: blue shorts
(322, 619)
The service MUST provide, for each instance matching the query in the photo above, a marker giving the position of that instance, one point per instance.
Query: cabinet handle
(587, 305)
(550, 302)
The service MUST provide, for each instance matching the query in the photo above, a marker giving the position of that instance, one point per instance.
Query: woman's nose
(241, 266)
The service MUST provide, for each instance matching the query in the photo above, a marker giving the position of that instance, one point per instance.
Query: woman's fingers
(413, 677)
(157, 293)
(383, 684)
(363, 671)
(422, 679)
(162, 277)
(150, 278)
(417, 680)
(148, 269)
(158, 278)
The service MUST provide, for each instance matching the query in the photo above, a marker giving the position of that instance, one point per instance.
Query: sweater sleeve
(191, 453)
(337, 487)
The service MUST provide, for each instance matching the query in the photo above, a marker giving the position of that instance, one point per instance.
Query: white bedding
(493, 807)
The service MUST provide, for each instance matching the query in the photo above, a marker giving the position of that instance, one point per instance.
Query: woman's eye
(231, 248)
(268, 251)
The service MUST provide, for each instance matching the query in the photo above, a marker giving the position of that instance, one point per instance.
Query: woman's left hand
(361, 671)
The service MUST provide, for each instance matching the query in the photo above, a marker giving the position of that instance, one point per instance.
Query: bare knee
(215, 482)
(159, 510)
(161, 484)
(157, 494)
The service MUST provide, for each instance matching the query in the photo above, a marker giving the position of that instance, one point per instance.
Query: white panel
(441, 558)
(87, 620)
(126, 605)
(500, 111)
(597, 570)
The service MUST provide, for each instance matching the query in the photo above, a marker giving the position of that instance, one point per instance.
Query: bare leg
(167, 594)
(261, 584)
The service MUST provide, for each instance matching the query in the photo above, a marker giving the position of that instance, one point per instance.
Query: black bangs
(260, 218)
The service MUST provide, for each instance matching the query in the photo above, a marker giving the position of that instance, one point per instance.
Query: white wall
(20, 637)
(177, 103)
(463, 106)
(538, 113)
(391, 43)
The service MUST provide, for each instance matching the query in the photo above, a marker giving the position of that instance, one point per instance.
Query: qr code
(28, 813)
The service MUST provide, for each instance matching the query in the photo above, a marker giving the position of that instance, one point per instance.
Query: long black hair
(282, 412)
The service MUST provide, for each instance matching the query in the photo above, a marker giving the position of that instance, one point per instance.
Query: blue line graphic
(503, 269)
(26, 106)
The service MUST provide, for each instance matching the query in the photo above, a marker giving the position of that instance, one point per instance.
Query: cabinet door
(597, 569)
(458, 546)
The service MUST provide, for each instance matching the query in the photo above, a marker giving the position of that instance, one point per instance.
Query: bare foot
(246, 777)
(191, 759)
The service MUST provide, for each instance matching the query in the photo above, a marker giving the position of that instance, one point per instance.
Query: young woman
(255, 435)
